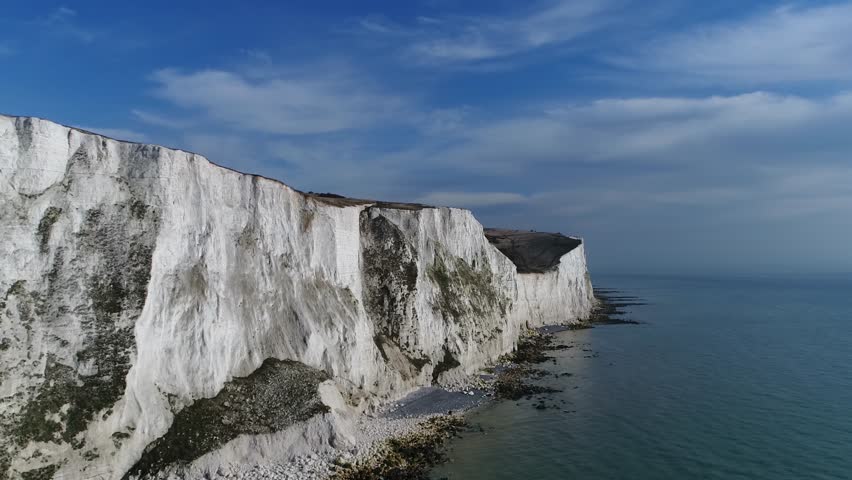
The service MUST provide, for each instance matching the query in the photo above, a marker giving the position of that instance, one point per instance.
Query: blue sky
(673, 135)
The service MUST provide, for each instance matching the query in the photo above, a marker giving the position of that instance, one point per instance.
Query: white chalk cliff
(144, 289)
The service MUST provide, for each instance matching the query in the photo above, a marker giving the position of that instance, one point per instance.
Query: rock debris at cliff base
(272, 398)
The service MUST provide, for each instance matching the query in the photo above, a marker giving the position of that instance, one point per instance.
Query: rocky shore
(409, 455)
(404, 440)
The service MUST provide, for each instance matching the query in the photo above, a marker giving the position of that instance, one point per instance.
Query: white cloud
(118, 133)
(283, 103)
(443, 121)
(747, 194)
(807, 178)
(61, 14)
(701, 172)
(721, 147)
(659, 130)
(377, 24)
(789, 44)
(61, 21)
(465, 39)
(471, 199)
(804, 190)
(635, 193)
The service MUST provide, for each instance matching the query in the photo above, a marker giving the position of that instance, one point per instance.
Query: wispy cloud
(443, 121)
(655, 129)
(281, 102)
(62, 21)
(805, 190)
(787, 44)
(747, 194)
(460, 39)
(721, 144)
(378, 24)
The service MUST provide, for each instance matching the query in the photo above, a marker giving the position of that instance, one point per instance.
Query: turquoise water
(727, 379)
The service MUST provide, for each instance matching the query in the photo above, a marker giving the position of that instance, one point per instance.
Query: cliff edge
(155, 307)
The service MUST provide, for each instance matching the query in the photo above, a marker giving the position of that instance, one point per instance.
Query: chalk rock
(148, 295)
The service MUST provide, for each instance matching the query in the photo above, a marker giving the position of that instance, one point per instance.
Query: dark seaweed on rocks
(273, 397)
(409, 457)
(609, 308)
(531, 349)
(510, 384)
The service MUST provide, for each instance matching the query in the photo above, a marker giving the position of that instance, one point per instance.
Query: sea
(724, 378)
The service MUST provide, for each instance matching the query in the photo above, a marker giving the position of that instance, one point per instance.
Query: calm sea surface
(726, 379)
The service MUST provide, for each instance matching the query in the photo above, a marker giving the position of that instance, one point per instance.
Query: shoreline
(405, 439)
(506, 380)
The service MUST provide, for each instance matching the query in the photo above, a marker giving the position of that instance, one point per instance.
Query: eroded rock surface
(142, 287)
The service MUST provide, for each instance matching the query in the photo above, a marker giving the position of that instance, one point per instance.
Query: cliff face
(553, 282)
(146, 293)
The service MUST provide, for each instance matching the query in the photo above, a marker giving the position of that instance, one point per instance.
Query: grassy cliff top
(532, 252)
